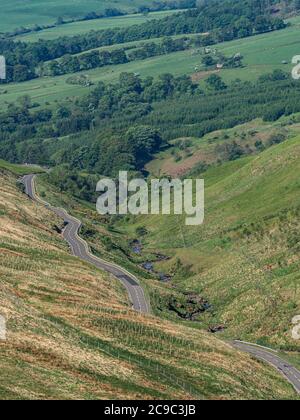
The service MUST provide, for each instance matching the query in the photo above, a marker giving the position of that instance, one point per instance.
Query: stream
(137, 248)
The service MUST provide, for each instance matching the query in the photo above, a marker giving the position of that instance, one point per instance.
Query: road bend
(269, 356)
(80, 249)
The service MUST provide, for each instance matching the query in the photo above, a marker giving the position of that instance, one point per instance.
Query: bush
(276, 139)
(141, 231)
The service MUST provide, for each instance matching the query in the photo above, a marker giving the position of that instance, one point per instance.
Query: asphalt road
(81, 250)
(289, 372)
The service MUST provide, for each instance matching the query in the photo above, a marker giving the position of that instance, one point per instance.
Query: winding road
(81, 250)
(270, 356)
(136, 293)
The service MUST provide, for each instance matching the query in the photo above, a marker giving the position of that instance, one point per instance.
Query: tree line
(93, 132)
(96, 59)
(108, 12)
(224, 20)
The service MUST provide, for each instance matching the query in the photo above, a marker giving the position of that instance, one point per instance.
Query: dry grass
(72, 335)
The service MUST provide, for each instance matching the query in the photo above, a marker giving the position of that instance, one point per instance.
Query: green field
(262, 54)
(76, 28)
(44, 12)
(49, 89)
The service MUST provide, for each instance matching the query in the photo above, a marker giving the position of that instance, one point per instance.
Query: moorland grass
(244, 258)
(72, 334)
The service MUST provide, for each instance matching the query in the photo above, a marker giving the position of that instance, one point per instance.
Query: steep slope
(71, 334)
(245, 258)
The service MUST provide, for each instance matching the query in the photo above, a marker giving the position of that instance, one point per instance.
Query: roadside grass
(72, 334)
(291, 358)
(20, 169)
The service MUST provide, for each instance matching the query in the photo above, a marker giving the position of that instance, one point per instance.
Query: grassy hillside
(262, 54)
(244, 226)
(245, 258)
(43, 12)
(72, 335)
(186, 154)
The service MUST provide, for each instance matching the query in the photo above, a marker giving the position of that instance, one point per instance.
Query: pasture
(44, 12)
(262, 54)
(77, 28)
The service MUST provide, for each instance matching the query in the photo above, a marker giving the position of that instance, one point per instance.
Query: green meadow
(49, 89)
(76, 28)
(19, 169)
(262, 54)
(72, 331)
(44, 12)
